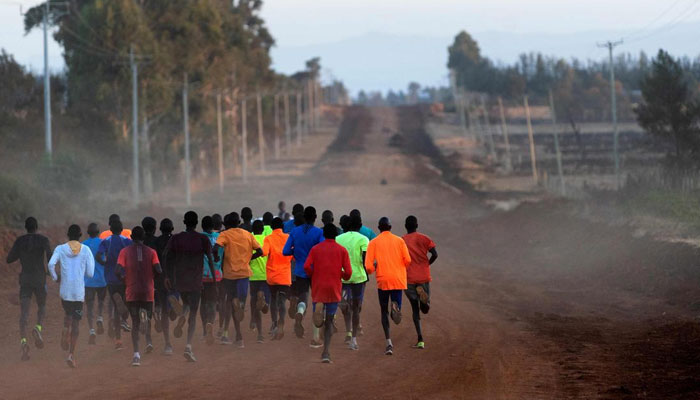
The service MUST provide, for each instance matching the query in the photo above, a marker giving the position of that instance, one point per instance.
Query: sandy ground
(530, 304)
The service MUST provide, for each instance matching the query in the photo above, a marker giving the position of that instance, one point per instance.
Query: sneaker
(38, 339)
(177, 332)
(273, 329)
(419, 345)
(119, 304)
(100, 326)
(143, 319)
(348, 338)
(136, 361)
(395, 312)
(71, 361)
(315, 344)
(168, 350)
(189, 355)
(279, 334)
(209, 333)
(240, 344)
(422, 295)
(175, 306)
(220, 333)
(353, 346)
(24, 348)
(92, 339)
(326, 358)
(225, 341)
(125, 326)
(319, 315)
(149, 348)
(298, 327)
(65, 339)
(424, 307)
(118, 345)
(238, 310)
(261, 339)
(293, 302)
(389, 350)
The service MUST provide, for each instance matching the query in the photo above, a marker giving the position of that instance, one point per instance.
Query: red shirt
(327, 263)
(418, 247)
(138, 261)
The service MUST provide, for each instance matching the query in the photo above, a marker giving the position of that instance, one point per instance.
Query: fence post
(261, 136)
(504, 129)
(560, 170)
(531, 138)
(244, 144)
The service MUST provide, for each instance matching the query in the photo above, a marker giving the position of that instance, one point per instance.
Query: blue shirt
(111, 248)
(217, 264)
(288, 226)
(368, 233)
(98, 278)
(299, 243)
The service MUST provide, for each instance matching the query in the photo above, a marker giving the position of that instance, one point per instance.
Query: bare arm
(433, 255)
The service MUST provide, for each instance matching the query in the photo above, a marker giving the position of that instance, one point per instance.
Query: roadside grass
(677, 205)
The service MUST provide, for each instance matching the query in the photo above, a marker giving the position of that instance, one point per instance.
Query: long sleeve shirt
(77, 262)
(388, 255)
(32, 250)
(299, 244)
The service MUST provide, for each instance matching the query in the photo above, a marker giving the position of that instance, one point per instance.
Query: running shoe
(319, 315)
(38, 339)
(65, 339)
(100, 326)
(71, 361)
(293, 302)
(92, 339)
(261, 339)
(298, 327)
(175, 305)
(143, 319)
(168, 350)
(238, 310)
(348, 337)
(209, 333)
(326, 358)
(118, 345)
(149, 348)
(315, 344)
(189, 355)
(279, 334)
(125, 326)
(225, 341)
(136, 361)
(424, 307)
(119, 304)
(353, 346)
(419, 345)
(24, 348)
(395, 312)
(273, 329)
(240, 344)
(422, 295)
(389, 350)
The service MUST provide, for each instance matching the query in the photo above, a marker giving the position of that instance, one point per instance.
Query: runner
(369, 233)
(246, 217)
(137, 265)
(328, 218)
(189, 248)
(113, 218)
(354, 288)
(344, 223)
(267, 220)
(149, 226)
(76, 262)
(33, 251)
(283, 214)
(164, 312)
(299, 243)
(418, 273)
(95, 287)
(221, 293)
(240, 247)
(298, 220)
(326, 264)
(107, 254)
(259, 291)
(387, 254)
(218, 222)
(211, 283)
(279, 275)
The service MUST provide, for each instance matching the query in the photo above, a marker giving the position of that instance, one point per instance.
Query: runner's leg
(90, 303)
(192, 300)
(40, 295)
(25, 301)
(357, 294)
(135, 324)
(384, 296)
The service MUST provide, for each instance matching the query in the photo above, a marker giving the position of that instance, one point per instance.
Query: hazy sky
(299, 23)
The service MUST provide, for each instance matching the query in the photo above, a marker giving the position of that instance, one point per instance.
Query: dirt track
(531, 304)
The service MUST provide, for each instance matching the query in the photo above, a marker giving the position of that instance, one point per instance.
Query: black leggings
(300, 289)
(278, 305)
(25, 300)
(385, 307)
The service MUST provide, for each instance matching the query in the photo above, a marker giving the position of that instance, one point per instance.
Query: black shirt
(160, 243)
(30, 250)
(247, 226)
(189, 249)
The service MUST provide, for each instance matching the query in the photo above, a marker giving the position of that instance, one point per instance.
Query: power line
(655, 20)
(684, 15)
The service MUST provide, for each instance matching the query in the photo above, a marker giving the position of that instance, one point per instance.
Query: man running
(149, 226)
(298, 220)
(95, 287)
(299, 244)
(189, 249)
(138, 265)
(279, 275)
(326, 264)
(259, 291)
(283, 214)
(354, 288)
(211, 283)
(240, 247)
(388, 255)
(107, 254)
(267, 221)
(33, 251)
(246, 218)
(164, 313)
(369, 233)
(76, 262)
(113, 218)
(418, 273)
(328, 218)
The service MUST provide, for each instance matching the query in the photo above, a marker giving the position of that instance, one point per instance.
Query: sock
(317, 334)
(354, 341)
(136, 354)
(38, 327)
(388, 342)
(301, 308)
(23, 341)
(349, 334)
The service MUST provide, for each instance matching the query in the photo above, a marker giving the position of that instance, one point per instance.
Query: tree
(413, 92)
(669, 109)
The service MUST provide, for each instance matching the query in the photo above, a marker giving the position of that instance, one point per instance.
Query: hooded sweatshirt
(77, 262)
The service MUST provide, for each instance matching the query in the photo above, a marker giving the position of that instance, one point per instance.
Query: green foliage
(678, 205)
(66, 174)
(16, 201)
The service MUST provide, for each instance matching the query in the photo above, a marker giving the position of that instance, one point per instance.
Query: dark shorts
(385, 295)
(354, 291)
(39, 293)
(73, 309)
(260, 286)
(236, 288)
(136, 306)
(210, 292)
(411, 291)
(300, 286)
(331, 308)
(91, 292)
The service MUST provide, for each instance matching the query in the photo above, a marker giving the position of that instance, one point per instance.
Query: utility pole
(489, 132)
(616, 139)
(220, 142)
(134, 124)
(299, 117)
(459, 102)
(244, 147)
(47, 86)
(277, 126)
(261, 137)
(556, 143)
(287, 126)
(504, 129)
(186, 126)
(311, 108)
(531, 138)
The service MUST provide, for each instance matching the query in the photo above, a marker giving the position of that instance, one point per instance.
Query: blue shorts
(331, 308)
(354, 291)
(236, 288)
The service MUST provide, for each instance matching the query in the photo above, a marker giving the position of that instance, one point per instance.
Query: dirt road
(518, 309)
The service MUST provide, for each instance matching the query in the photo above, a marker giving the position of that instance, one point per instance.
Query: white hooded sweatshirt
(77, 262)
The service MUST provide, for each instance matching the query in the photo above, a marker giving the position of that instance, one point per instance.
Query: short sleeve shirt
(418, 246)
(355, 243)
(138, 261)
(238, 245)
(189, 249)
(258, 265)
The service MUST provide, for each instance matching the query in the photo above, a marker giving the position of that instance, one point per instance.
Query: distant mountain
(380, 61)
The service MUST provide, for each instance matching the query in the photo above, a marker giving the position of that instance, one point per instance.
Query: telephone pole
(134, 123)
(186, 126)
(610, 46)
(47, 86)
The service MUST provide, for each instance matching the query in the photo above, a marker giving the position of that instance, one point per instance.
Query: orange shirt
(418, 247)
(279, 266)
(390, 254)
(125, 232)
(238, 245)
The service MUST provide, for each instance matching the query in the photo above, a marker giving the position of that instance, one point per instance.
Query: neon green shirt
(267, 230)
(355, 243)
(259, 264)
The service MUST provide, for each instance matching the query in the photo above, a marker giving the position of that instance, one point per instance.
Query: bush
(16, 202)
(68, 174)
(678, 205)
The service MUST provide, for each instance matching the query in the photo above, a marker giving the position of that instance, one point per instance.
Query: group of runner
(276, 262)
